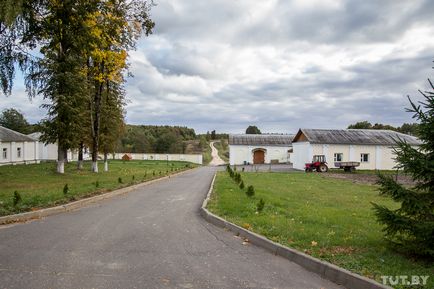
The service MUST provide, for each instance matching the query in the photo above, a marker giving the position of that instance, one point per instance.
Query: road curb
(23, 217)
(326, 270)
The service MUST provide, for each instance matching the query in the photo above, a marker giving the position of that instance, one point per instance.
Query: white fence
(193, 158)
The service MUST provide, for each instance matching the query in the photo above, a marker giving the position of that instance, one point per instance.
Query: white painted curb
(326, 270)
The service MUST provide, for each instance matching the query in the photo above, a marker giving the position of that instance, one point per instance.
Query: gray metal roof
(8, 135)
(355, 136)
(261, 139)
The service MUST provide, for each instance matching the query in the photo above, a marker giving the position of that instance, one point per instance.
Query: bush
(120, 180)
(97, 184)
(237, 178)
(65, 189)
(260, 205)
(16, 199)
(133, 177)
(242, 185)
(250, 191)
(153, 173)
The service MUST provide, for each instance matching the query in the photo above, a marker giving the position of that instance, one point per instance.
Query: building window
(364, 158)
(5, 153)
(18, 152)
(338, 157)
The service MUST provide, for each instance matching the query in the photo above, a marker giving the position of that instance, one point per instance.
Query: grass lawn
(40, 186)
(327, 218)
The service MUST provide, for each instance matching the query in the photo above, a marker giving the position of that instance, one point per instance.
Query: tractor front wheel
(323, 168)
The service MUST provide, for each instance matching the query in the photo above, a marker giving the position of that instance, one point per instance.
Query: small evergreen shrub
(97, 184)
(133, 178)
(65, 189)
(16, 199)
(153, 173)
(120, 180)
(237, 178)
(242, 185)
(250, 191)
(260, 205)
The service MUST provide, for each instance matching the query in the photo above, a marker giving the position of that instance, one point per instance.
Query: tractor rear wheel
(323, 168)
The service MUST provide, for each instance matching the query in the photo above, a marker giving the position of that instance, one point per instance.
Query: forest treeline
(155, 139)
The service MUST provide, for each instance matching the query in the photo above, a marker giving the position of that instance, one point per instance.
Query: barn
(259, 148)
(372, 148)
(17, 148)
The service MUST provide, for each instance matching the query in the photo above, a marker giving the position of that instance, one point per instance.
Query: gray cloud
(277, 64)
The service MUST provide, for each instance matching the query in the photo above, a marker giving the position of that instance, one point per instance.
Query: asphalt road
(149, 238)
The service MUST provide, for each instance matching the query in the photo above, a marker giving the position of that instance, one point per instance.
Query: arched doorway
(259, 156)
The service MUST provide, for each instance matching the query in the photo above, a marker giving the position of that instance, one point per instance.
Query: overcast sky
(280, 65)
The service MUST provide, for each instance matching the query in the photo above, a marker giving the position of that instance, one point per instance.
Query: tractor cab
(318, 163)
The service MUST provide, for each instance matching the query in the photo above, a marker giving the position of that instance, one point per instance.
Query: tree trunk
(95, 166)
(80, 157)
(106, 168)
(96, 125)
(60, 160)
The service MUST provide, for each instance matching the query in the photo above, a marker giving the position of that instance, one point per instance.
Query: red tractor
(318, 163)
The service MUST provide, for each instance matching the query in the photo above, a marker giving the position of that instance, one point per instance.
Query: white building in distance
(17, 148)
(259, 148)
(372, 148)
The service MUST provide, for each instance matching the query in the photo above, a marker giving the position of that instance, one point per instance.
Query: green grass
(327, 218)
(223, 150)
(206, 154)
(40, 186)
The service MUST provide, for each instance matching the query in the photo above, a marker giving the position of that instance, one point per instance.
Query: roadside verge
(326, 270)
(23, 217)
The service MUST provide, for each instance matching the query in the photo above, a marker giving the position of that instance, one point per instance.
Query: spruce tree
(411, 226)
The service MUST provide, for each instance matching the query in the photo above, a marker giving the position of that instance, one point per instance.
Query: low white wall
(192, 158)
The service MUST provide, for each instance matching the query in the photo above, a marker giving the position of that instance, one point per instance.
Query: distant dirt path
(216, 160)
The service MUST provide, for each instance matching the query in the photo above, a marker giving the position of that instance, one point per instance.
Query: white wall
(238, 154)
(192, 158)
(380, 157)
(47, 152)
(28, 152)
(303, 152)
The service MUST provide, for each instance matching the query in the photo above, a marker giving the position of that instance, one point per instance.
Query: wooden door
(258, 157)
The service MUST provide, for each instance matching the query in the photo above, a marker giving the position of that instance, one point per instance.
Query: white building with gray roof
(16, 148)
(260, 148)
(372, 148)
